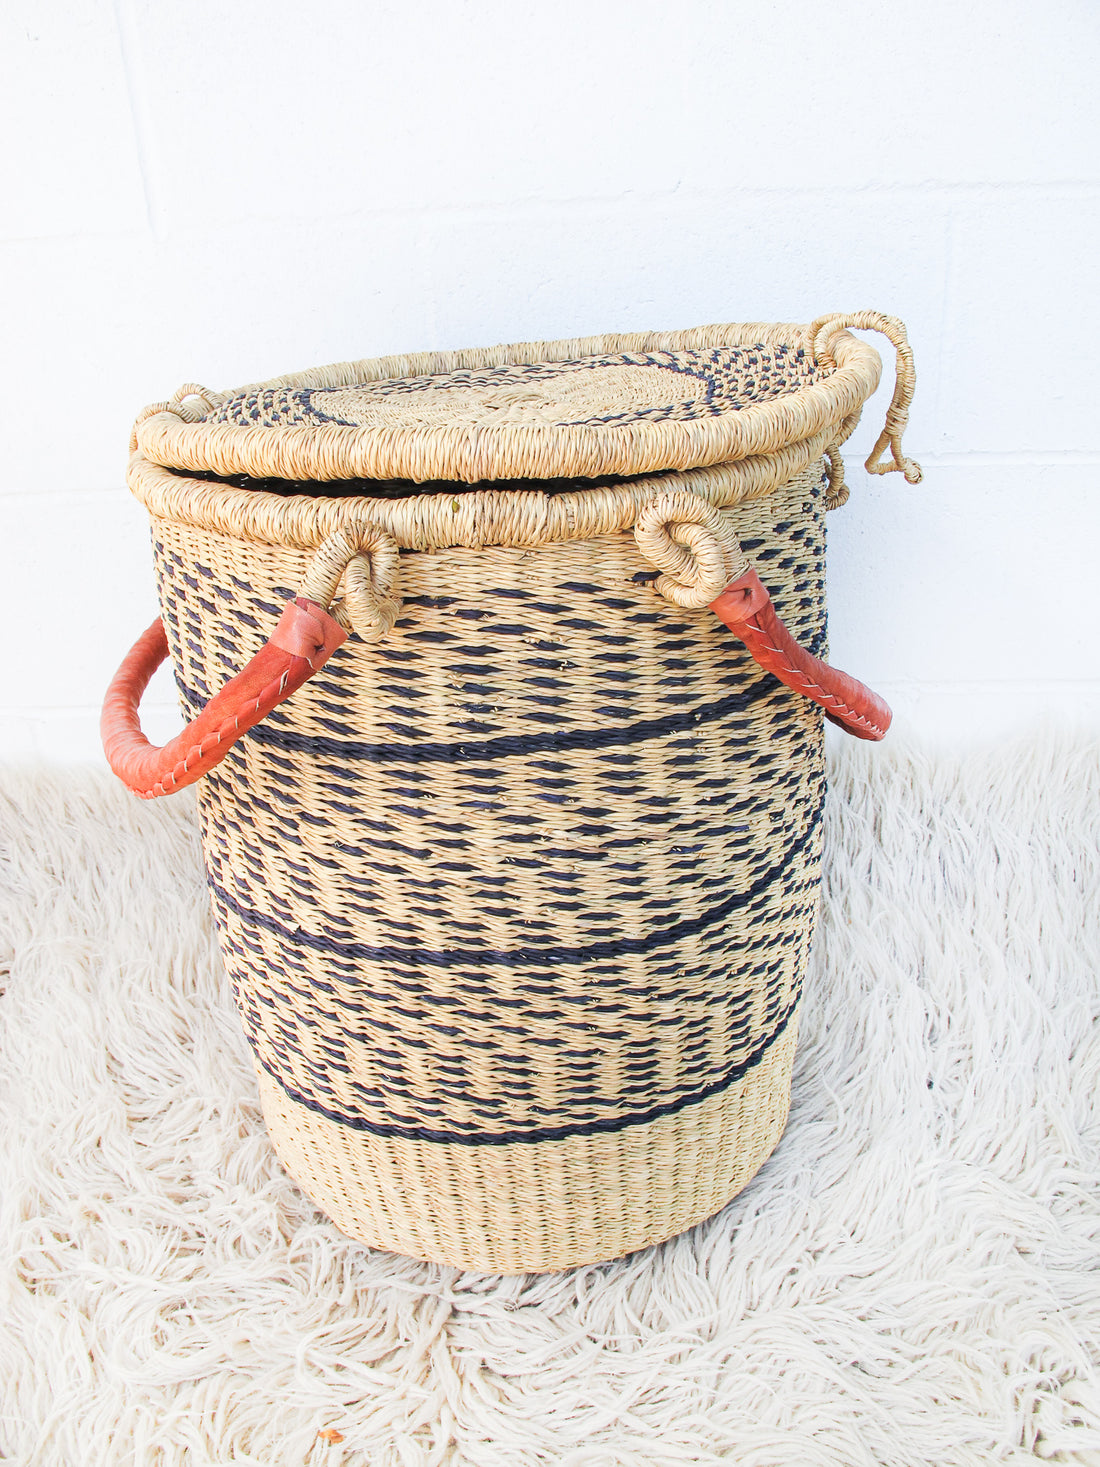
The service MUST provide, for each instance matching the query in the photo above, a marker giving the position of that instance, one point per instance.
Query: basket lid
(622, 405)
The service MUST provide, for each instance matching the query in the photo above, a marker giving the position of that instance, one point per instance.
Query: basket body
(517, 903)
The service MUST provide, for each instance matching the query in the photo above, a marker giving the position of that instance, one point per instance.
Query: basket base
(530, 1207)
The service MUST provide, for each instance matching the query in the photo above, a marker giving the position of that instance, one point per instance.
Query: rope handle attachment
(702, 564)
(364, 557)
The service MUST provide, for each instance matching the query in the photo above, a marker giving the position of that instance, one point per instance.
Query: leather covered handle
(307, 636)
(746, 608)
(303, 641)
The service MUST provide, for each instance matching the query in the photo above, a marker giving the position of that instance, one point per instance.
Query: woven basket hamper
(504, 675)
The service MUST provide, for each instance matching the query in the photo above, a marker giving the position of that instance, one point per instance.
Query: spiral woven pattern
(634, 404)
(646, 386)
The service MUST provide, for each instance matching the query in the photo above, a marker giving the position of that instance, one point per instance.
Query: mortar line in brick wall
(945, 333)
(126, 48)
(1017, 458)
(926, 189)
(50, 711)
(1071, 186)
(644, 197)
(901, 687)
(118, 494)
(503, 210)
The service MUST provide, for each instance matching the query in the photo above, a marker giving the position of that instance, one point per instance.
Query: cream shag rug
(911, 1279)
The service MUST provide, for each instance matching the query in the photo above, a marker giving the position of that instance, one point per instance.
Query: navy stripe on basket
(526, 956)
(506, 746)
(549, 1133)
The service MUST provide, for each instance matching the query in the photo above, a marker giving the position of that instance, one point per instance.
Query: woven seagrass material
(523, 513)
(538, 868)
(632, 404)
(686, 386)
(516, 892)
(533, 1207)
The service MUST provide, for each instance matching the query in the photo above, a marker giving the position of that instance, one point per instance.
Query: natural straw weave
(511, 416)
(516, 896)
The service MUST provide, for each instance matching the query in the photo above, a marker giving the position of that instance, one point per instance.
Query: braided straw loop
(836, 495)
(192, 402)
(693, 546)
(365, 559)
(822, 335)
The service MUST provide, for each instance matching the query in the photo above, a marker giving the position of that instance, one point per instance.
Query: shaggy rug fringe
(912, 1279)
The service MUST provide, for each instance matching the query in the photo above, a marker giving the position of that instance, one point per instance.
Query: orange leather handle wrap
(303, 641)
(746, 608)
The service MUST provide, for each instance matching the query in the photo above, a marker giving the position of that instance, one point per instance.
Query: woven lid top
(544, 410)
(649, 387)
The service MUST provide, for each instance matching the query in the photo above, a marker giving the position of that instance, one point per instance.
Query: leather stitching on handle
(746, 608)
(269, 678)
(845, 713)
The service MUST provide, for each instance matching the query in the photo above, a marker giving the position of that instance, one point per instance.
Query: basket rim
(467, 518)
(176, 434)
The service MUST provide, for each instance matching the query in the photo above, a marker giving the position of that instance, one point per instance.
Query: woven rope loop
(692, 544)
(823, 332)
(192, 402)
(365, 559)
(836, 491)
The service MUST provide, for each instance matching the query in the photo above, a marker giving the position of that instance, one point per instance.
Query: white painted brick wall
(219, 193)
